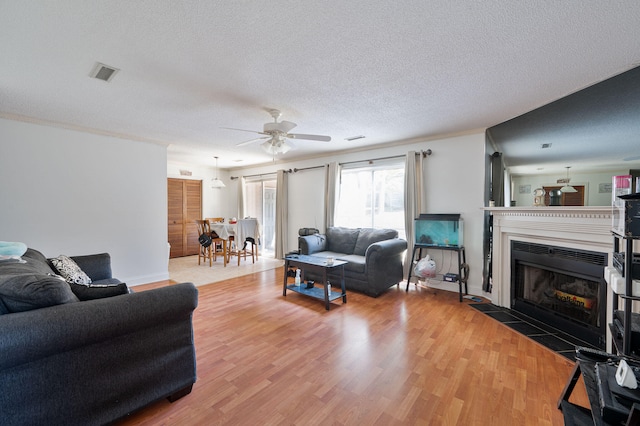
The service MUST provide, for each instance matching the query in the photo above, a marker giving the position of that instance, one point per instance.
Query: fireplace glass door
(564, 291)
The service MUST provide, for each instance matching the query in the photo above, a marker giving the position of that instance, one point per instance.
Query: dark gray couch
(374, 255)
(89, 362)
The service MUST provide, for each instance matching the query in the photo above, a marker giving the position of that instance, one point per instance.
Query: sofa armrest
(96, 266)
(32, 335)
(386, 248)
(310, 244)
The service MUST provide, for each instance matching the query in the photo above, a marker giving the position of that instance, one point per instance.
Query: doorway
(260, 202)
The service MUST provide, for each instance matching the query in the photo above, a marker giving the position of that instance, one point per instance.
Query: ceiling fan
(277, 134)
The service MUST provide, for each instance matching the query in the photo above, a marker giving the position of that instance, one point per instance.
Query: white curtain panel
(241, 184)
(414, 201)
(282, 218)
(330, 193)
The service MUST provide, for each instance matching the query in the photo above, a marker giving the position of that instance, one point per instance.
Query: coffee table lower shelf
(315, 292)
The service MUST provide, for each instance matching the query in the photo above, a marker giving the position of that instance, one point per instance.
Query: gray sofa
(374, 256)
(90, 362)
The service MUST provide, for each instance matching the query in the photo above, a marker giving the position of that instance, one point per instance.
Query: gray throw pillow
(342, 240)
(369, 236)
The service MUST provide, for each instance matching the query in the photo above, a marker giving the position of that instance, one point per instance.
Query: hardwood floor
(418, 358)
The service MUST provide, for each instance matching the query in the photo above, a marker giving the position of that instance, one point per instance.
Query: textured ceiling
(389, 70)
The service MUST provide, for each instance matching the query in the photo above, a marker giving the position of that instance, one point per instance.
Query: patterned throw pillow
(70, 270)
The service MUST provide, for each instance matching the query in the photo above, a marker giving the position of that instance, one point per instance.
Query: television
(439, 230)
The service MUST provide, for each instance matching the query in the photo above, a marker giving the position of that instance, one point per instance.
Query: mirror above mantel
(595, 132)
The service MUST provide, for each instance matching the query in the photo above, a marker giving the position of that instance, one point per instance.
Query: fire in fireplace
(561, 287)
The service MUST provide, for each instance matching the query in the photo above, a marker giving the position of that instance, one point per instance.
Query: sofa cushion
(25, 292)
(70, 270)
(35, 255)
(28, 265)
(342, 240)
(3, 308)
(356, 263)
(98, 291)
(368, 236)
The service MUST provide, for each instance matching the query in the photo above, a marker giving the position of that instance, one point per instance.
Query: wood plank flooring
(416, 358)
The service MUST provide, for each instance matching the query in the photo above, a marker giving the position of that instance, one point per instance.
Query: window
(260, 202)
(372, 197)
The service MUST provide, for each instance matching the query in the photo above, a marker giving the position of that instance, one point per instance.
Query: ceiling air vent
(103, 72)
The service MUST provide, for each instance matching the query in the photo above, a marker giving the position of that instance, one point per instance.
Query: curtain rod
(294, 170)
(249, 176)
(424, 154)
(286, 171)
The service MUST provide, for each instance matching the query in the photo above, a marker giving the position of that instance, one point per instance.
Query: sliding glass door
(260, 202)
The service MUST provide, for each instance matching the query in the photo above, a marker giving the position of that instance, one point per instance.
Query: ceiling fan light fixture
(274, 147)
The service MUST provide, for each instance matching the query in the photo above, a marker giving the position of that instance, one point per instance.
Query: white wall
(454, 177)
(70, 192)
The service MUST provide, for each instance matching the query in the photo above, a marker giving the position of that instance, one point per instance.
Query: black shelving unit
(623, 345)
(462, 264)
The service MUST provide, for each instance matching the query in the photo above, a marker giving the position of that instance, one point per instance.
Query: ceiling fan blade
(252, 140)
(243, 130)
(283, 126)
(309, 137)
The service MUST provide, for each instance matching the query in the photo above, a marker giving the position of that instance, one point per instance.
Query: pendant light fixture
(217, 183)
(567, 187)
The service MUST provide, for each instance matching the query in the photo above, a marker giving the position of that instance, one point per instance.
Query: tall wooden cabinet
(184, 207)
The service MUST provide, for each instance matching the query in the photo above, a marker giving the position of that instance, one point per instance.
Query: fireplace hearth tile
(502, 316)
(553, 339)
(553, 342)
(487, 307)
(525, 328)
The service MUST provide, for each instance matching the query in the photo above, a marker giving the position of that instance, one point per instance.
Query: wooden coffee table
(317, 264)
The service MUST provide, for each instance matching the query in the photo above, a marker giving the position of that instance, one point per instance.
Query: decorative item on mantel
(538, 197)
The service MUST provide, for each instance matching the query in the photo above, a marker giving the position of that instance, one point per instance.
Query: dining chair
(206, 250)
(219, 243)
(248, 233)
(215, 219)
(219, 247)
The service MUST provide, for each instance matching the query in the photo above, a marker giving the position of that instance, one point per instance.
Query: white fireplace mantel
(586, 228)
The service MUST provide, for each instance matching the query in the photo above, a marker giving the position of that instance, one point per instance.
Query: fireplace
(562, 287)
